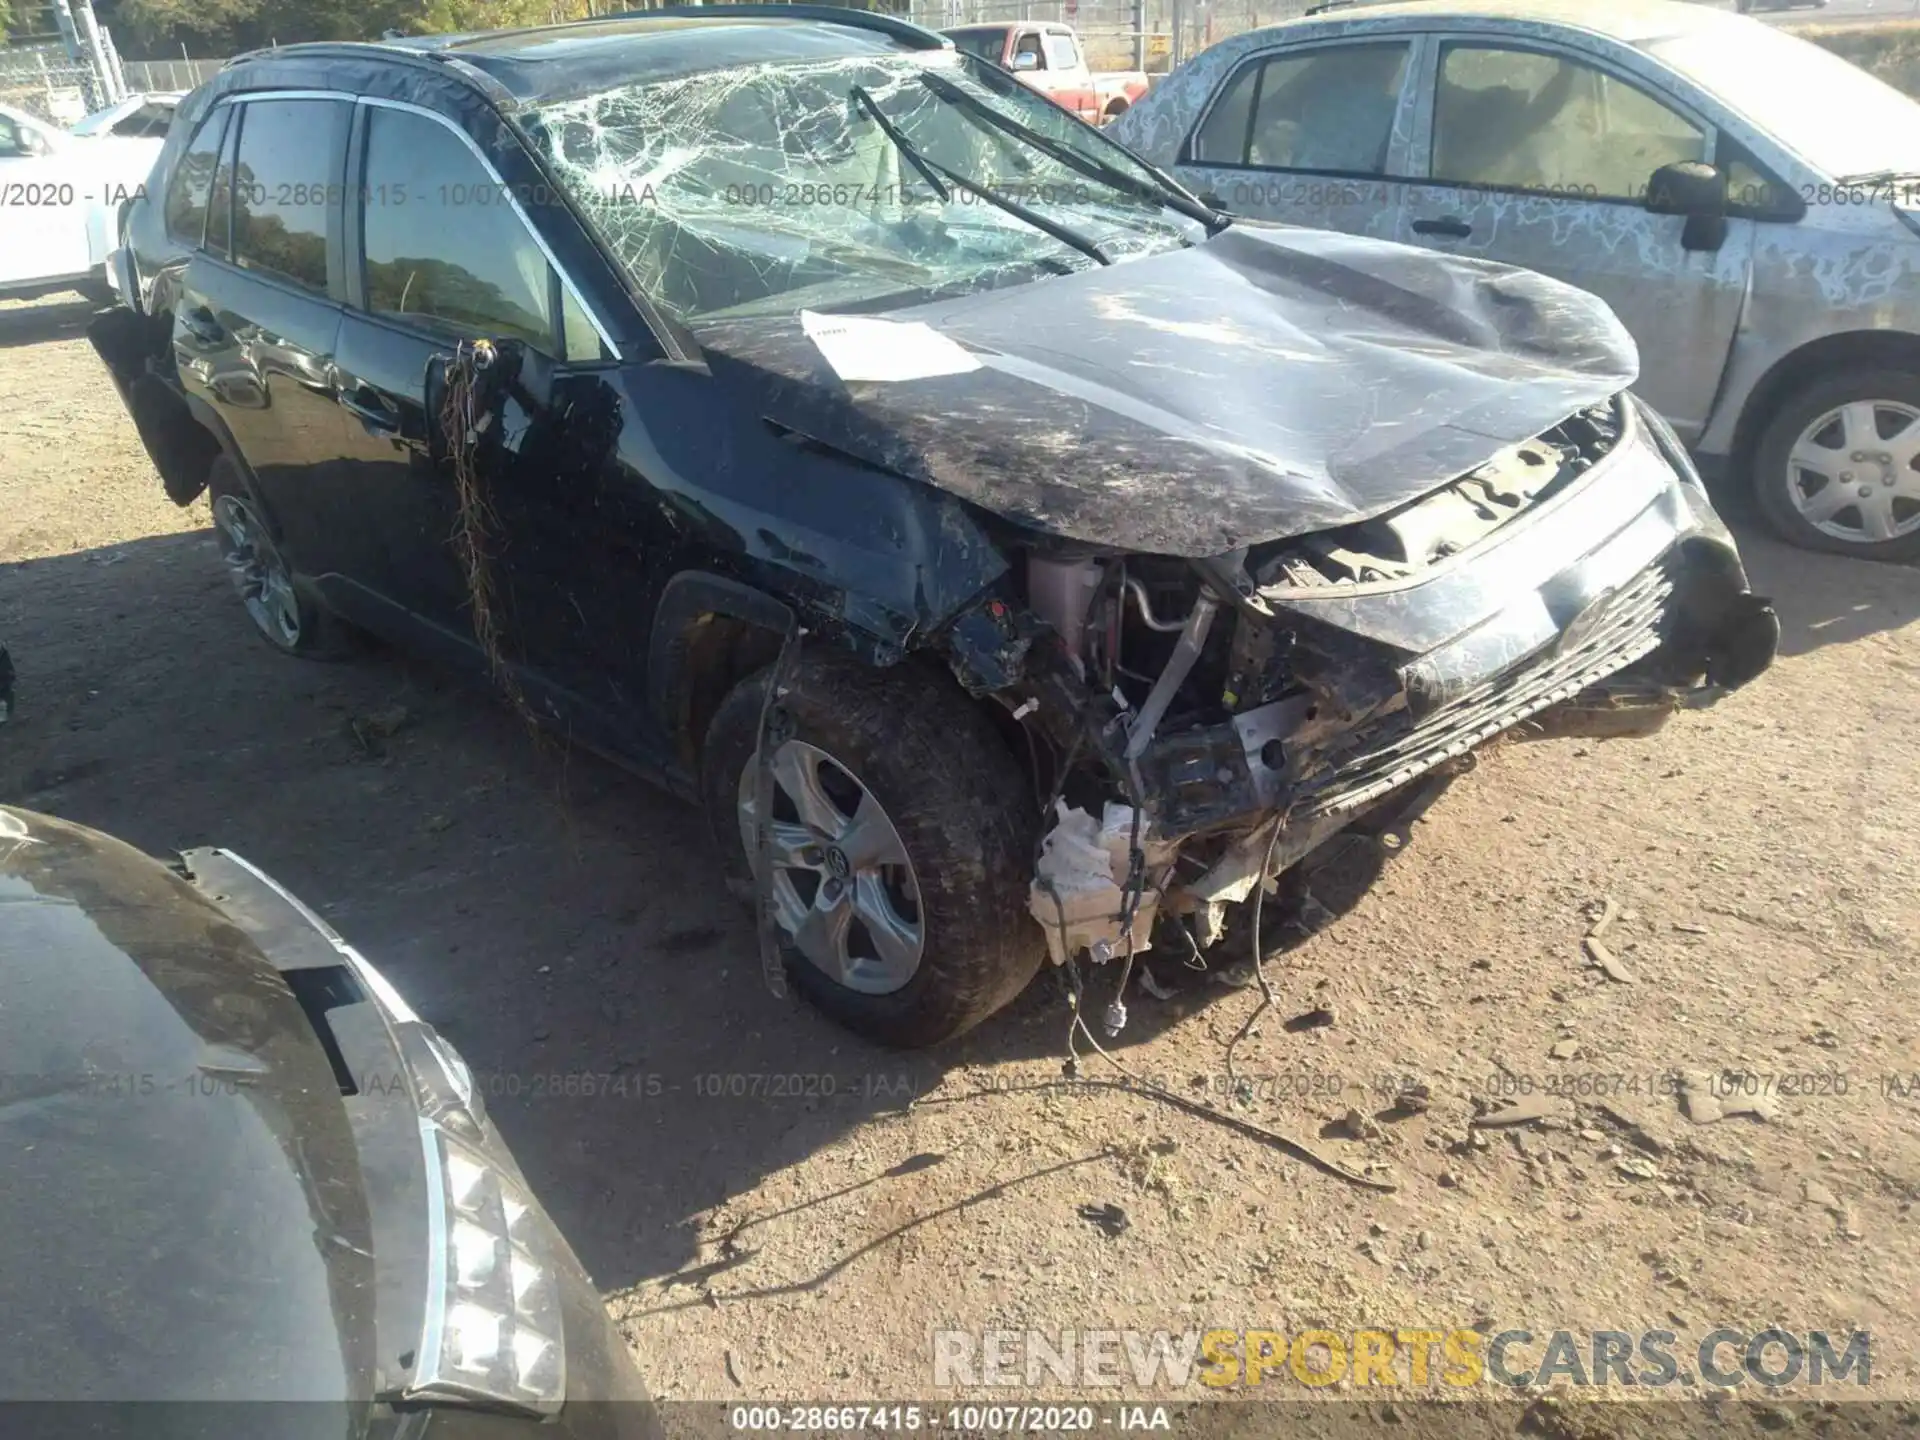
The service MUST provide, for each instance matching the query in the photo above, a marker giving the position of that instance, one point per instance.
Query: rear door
(258, 315)
(1540, 156)
(1310, 135)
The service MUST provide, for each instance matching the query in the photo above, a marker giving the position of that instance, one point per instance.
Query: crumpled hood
(1269, 382)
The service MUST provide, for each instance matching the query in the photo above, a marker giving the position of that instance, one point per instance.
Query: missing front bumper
(1622, 601)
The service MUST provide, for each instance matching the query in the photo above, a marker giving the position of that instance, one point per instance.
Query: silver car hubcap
(257, 571)
(1854, 473)
(844, 890)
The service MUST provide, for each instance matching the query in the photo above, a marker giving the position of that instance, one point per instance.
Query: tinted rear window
(987, 44)
(192, 177)
(149, 122)
(285, 176)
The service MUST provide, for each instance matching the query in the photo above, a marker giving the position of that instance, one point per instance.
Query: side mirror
(1688, 188)
(1699, 192)
(1026, 60)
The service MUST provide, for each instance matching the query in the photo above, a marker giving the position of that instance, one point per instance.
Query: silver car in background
(1748, 204)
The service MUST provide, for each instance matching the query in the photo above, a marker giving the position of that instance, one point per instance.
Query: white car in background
(1746, 202)
(133, 117)
(59, 196)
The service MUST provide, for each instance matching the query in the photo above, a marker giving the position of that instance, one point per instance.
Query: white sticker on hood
(859, 347)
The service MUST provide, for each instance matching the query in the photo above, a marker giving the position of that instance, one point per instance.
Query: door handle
(202, 325)
(1451, 228)
(366, 407)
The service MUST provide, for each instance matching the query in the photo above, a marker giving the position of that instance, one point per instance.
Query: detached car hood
(1269, 382)
(180, 1196)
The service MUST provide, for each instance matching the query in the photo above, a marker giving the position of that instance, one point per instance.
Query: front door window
(1325, 110)
(1525, 120)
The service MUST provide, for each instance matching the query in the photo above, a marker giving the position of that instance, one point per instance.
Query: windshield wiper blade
(1169, 193)
(1878, 177)
(900, 141)
(931, 168)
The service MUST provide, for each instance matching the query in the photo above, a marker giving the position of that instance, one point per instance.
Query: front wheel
(899, 850)
(1838, 468)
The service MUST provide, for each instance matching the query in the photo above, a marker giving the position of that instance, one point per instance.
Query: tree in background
(227, 27)
(17, 19)
(212, 29)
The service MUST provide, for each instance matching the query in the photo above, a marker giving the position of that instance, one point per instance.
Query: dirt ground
(766, 1215)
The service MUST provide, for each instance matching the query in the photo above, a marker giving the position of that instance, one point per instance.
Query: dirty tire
(321, 635)
(1770, 477)
(961, 807)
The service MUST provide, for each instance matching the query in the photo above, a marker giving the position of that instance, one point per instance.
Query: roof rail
(917, 37)
(383, 46)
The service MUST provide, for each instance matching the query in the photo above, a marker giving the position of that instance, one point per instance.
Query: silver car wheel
(259, 575)
(1854, 473)
(844, 891)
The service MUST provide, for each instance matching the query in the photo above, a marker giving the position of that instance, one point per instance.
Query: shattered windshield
(769, 188)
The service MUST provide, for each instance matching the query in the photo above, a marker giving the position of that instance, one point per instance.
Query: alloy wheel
(259, 575)
(1854, 473)
(844, 890)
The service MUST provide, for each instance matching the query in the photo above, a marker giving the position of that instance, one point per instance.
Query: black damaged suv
(1109, 553)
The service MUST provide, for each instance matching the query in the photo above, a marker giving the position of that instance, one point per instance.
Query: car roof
(1634, 22)
(550, 62)
(988, 26)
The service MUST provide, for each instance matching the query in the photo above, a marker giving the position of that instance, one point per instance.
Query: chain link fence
(1150, 35)
(150, 76)
(43, 81)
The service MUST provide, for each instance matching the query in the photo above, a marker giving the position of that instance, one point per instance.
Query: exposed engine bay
(1197, 727)
(1446, 522)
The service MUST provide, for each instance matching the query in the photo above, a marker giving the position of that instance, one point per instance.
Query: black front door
(501, 561)
(437, 256)
(405, 494)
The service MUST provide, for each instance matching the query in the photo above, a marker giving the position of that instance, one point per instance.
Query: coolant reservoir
(1060, 592)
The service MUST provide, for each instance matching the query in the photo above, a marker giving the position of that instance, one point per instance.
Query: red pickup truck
(1047, 57)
